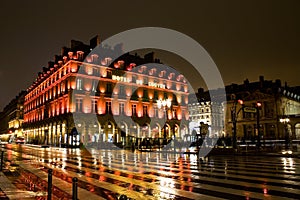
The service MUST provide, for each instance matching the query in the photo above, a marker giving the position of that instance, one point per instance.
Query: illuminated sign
(120, 78)
(138, 82)
(250, 109)
(157, 85)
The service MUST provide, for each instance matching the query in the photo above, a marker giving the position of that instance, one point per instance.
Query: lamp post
(234, 115)
(285, 121)
(258, 106)
(165, 105)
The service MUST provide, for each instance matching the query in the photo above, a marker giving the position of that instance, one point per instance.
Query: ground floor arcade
(96, 130)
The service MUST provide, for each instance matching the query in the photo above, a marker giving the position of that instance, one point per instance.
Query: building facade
(11, 118)
(278, 107)
(83, 97)
(204, 113)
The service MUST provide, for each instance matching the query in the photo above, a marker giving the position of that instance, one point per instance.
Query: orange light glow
(87, 104)
(185, 88)
(101, 107)
(74, 67)
(89, 69)
(140, 93)
(73, 84)
(178, 86)
(169, 84)
(88, 84)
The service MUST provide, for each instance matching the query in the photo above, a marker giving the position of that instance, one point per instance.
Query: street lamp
(285, 121)
(258, 106)
(164, 104)
(234, 115)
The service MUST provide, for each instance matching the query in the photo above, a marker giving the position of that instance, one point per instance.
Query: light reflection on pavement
(108, 174)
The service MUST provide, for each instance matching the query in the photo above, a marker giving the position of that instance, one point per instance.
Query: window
(145, 93)
(145, 110)
(108, 107)
(174, 113)
(94, 106)
(78, 105)
(133, 109)
(155, 112)
(79, 84)
(122, 91)
(62, 87)
(121, 108)
(155, 94)
(108, 88)
(96, 72)
(94, 85)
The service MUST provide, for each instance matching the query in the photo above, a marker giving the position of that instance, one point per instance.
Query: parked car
(20, 140)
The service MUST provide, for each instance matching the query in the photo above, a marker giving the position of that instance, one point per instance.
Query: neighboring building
(206, 116)
(204, 112)
(11, 118)
(92, 99)
(276, 102)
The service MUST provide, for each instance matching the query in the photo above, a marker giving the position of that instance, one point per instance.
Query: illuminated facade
(11, 118)
(84, 98)
(204, 112)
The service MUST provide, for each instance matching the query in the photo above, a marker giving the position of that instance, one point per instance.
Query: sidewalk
(10, 191)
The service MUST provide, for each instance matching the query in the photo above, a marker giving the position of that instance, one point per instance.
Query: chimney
(95, 41)
(261, 79)
(278, 83)
(200, 91)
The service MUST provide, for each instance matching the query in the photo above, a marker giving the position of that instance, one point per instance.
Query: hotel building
(91, 99)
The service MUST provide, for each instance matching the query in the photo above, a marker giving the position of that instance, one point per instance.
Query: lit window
(94, 86)
(174, 113)
(79, 84)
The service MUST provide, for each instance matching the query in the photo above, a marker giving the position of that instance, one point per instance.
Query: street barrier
(74, 188)
(2, 154)
(49, 184)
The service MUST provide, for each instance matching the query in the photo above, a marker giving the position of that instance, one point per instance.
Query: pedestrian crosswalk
(108, 174)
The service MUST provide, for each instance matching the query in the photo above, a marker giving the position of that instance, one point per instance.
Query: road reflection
(162, 176)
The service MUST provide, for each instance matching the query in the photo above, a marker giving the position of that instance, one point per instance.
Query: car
(20, 140)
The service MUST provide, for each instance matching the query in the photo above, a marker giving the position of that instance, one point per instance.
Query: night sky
(245, 38)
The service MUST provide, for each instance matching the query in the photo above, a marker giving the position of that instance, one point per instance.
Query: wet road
(107, 174)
